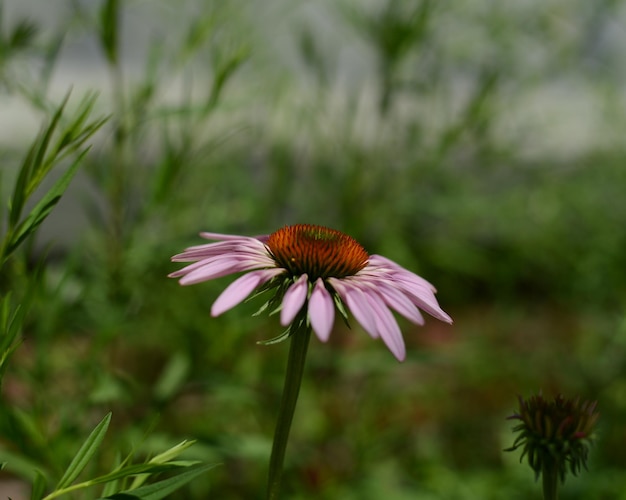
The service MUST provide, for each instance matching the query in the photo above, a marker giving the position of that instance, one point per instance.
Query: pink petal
(294, 300)
(357, 303)
(216, 268)
(395, 299)
(387, 326)
(321, 311)
(251, 248)
(239, 289)
(424, 299)
(208, 261)
(223, 237)
(394, 267)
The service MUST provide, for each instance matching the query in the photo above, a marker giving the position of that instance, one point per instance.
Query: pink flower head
(317, 268)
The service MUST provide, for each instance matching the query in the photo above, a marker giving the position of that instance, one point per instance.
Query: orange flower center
(318, 251)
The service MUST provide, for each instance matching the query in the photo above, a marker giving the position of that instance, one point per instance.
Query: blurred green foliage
(410, 126)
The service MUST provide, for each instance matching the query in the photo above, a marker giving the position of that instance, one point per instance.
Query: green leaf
(72, 137)
(121, 473)
(113, 485)
(42, 209)
(39, 486)
(23, 35)
(132, 470)
(32, 163)
(10, 326)
(109, 19)
(161, 489)
(280, 338)
(12, 318)
(163, 458)
(78, 130)
(87, 450)
(40, 166)
(20, 195)
(172, 378)
(223, 71)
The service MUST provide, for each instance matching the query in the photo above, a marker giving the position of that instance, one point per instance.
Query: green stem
(550, 479)
(299, 343)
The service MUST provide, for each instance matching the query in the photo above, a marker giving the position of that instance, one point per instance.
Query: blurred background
(479, 144)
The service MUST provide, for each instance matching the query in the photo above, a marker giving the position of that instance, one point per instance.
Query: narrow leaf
(38, 163)
(19, 189)
(23, 35)
(25, 185)
(162, 489)
(114, 485)
(11, 322)
(39, 486)
(42, 209)
(87, 450)
(280, 338)
(109, 19)
(162, 458)
(172, 378)
(132, 470)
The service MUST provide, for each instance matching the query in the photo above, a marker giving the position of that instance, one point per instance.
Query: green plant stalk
(550, 479)
(298, 346)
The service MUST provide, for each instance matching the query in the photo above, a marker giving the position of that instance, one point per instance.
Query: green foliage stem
(298, 346)
(550, 480)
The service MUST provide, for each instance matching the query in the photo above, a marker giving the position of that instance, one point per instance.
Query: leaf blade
(86, 451)
(43, 208)
(162, 489)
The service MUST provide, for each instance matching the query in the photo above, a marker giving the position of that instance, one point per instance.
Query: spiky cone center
(317, 251)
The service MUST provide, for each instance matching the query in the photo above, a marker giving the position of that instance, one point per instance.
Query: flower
(555, 432)
(317, 268)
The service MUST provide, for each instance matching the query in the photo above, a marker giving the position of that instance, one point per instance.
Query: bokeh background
(479, 144)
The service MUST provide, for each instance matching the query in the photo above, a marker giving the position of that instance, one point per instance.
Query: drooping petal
(321, 311)
(208, 261)
(399, 302)
(394, 267)
(294, 300)
(387, 326)
(224, 237)
(424, 298)
(215, 268)
(239, 289)
(357, 303)
(219, 267)
(244, 248)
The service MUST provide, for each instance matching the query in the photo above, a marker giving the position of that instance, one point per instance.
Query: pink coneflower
(317, 268)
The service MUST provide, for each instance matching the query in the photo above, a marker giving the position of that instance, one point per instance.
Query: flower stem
(550, 479)
(299, 343)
